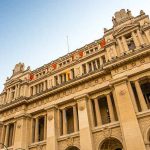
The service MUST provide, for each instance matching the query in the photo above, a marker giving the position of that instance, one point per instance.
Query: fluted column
(9, 98)
(96, 64)
(34, 90)
(36, 129)
(135, 40)
(92, 64)
(18, 91)
(2, 138)
(75, 118)
(6, 135)
(101, 61)
(97, 110)
(87, 67)
(125, 44)
(120, 46)
(110, 107)
(44, 85)
(132, 97)
(140, 95)
(92, 113)
(140, 37)
(64, 122)
(147, 35)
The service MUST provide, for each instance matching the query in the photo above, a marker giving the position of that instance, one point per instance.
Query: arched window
(72, 148)
(111, 144)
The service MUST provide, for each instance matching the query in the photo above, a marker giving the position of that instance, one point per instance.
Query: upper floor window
(130, 42)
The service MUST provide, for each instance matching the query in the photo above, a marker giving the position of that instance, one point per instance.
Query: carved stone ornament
(81, 107)
(50, 117)
(107, 132)
(70, 141)
(40, 147)
(18, 126)
(18, 68)
(121, 16)
(122, 92)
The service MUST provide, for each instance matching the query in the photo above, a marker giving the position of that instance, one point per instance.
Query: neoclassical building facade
(94, 98)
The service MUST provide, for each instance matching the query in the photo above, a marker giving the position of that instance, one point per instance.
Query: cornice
(69, 65)
(51, 91)
(13, 104)
(127, 57)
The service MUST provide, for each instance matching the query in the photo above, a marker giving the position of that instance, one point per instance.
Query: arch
(146, 135)
(72, 148)
(110, 144)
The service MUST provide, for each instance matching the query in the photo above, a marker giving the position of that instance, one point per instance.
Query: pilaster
(21, 139)
(51, 128)
(86, 139)
(129, 124)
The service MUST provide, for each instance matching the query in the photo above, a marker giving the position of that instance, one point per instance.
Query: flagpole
(67, 43)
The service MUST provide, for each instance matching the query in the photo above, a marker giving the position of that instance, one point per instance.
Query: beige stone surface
(94, 98)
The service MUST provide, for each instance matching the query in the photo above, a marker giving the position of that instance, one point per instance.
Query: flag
(102, 43)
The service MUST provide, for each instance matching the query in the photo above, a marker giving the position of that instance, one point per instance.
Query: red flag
(102, 43)
(31, 76)
(54, 65)
(81, 53)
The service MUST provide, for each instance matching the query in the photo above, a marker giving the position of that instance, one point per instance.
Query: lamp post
(5, 147)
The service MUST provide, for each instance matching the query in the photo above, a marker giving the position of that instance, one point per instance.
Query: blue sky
(34, 31)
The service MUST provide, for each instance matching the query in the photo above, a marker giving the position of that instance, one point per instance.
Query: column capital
(81, 97)
(51, 107)
(118, 81)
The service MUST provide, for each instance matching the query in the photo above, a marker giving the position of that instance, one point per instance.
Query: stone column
(45, 127)
(9, 98)
(92, 64)
(25, 90)
(36, 129)
(64, 122)
(60, 122)
(52, 128)
(131, 132)
(75, 118)
(34, 90)
(135, 40)
(147, 33)
(110, 107)
(120, 46)
(125, 44)
(44, 85)
(140, 37)
(132, 97)
(87, 68)
(32, 131)
(92, 113)
(18, 91)
(140, 95)
(59, 80)
(86, 139)
(15, 96)
(2, 138)
(6, 135)
(96, 64)
(22, 132)
(101, 61)
(97, 110)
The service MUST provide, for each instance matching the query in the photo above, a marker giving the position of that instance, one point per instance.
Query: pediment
(124, 28)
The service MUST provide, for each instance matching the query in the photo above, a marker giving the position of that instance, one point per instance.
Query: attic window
(130, 42)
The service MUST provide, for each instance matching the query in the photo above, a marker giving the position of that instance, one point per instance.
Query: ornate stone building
(94, 98)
